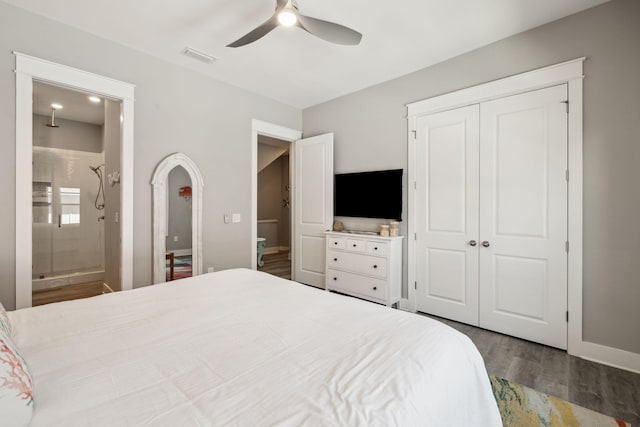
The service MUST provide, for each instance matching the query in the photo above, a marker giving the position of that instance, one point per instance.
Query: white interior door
(313, 207)
(447, 214)
(523, 216)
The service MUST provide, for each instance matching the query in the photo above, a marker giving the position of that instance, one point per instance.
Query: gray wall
(284, 230)
(179, 211)
(371, 133)
(175, 110)
(111, 143)
(71, 135)
(270, 198)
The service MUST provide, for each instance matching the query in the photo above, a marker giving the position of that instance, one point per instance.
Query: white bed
(244, 348)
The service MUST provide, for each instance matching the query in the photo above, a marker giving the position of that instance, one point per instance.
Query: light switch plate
(236, 218)
(227, 218)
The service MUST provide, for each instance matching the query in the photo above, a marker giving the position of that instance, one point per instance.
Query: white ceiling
(75, 105)
(292, 66)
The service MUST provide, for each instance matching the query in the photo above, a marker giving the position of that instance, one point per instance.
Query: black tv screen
(375, 194)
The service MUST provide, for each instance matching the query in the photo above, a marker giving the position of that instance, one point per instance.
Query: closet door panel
(447, 212)
(523, 216)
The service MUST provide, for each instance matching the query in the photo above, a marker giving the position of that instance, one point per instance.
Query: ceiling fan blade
(257, 33)
(329, 31)
(280, 4)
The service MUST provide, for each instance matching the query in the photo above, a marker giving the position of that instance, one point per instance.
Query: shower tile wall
(76, 242)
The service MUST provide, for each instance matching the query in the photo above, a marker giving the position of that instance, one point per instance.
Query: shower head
(53, 119)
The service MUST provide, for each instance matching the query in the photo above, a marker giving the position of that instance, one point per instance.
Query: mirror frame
(160, 183)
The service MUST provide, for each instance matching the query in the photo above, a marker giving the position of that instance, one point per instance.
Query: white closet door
(523, 216)
(313, 207)
(447, 214)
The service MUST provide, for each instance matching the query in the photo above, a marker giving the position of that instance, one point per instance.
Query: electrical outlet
(236, 218)
(175, 238)
(210, 270)
(227, 218)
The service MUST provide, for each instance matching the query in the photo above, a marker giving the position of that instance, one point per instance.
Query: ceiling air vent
(200, 56)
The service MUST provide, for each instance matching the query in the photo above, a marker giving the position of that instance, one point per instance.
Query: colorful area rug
(522, 406)
(181, 268)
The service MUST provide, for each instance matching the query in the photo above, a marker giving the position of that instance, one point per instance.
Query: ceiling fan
(287, 15)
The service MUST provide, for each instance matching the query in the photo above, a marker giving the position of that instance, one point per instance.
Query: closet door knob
(486, 244)
(472, 243)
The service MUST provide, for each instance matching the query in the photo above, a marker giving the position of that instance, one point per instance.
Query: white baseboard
(610, 356)
(275, 249)
(404, 304)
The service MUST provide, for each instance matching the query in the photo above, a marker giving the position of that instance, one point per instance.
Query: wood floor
(277, 264)
(68, 292)
(611, 391)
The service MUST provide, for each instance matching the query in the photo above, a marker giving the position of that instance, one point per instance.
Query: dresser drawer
(355, 284)
(377, 248)
(335, 243)
(357, 263)
(355, 245)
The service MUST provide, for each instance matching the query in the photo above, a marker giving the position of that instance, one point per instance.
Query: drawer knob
(335, 243)
(375, 266)
(335, 259)
(354, 245)
(375, 288)
(335, 278)
(375, 249)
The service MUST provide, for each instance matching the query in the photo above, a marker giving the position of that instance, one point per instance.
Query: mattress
(245, 348)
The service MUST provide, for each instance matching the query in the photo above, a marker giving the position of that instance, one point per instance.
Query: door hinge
(415, 236)
(566, 104)
(415, 285)
(415, 134)
(566, 175)
(415, 185)
(566, 246)
(567, 315)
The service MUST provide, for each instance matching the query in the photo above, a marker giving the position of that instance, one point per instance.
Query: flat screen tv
(376, 194)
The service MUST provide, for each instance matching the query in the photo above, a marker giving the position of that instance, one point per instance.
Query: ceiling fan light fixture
(287, 18)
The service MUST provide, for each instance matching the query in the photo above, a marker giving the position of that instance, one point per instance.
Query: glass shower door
(67, 228)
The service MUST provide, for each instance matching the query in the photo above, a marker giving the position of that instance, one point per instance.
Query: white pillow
(16, 385)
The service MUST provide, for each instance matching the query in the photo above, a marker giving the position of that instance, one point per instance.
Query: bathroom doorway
(273, 206)
(75, 194)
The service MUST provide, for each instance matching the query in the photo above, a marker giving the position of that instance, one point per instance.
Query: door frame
(28, 69)
(259, 127)
(570, 73)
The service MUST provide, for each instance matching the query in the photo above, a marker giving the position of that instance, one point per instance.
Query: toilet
(261, 241)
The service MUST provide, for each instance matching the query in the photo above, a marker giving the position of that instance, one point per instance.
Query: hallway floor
(277, 264)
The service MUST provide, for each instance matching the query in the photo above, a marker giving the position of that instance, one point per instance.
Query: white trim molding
(160, 183)
(570, 73)
(275, 131)
(30, 69)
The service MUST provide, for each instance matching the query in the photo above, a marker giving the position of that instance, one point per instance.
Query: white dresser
(365, 266)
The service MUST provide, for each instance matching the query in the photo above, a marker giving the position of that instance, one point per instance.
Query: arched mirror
(177, 174)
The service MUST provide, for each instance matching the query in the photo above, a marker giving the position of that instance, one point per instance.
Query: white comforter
(244, 348)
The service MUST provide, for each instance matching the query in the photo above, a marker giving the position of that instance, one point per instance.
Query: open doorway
(273, 205)
(76, 194)
(31, 70)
